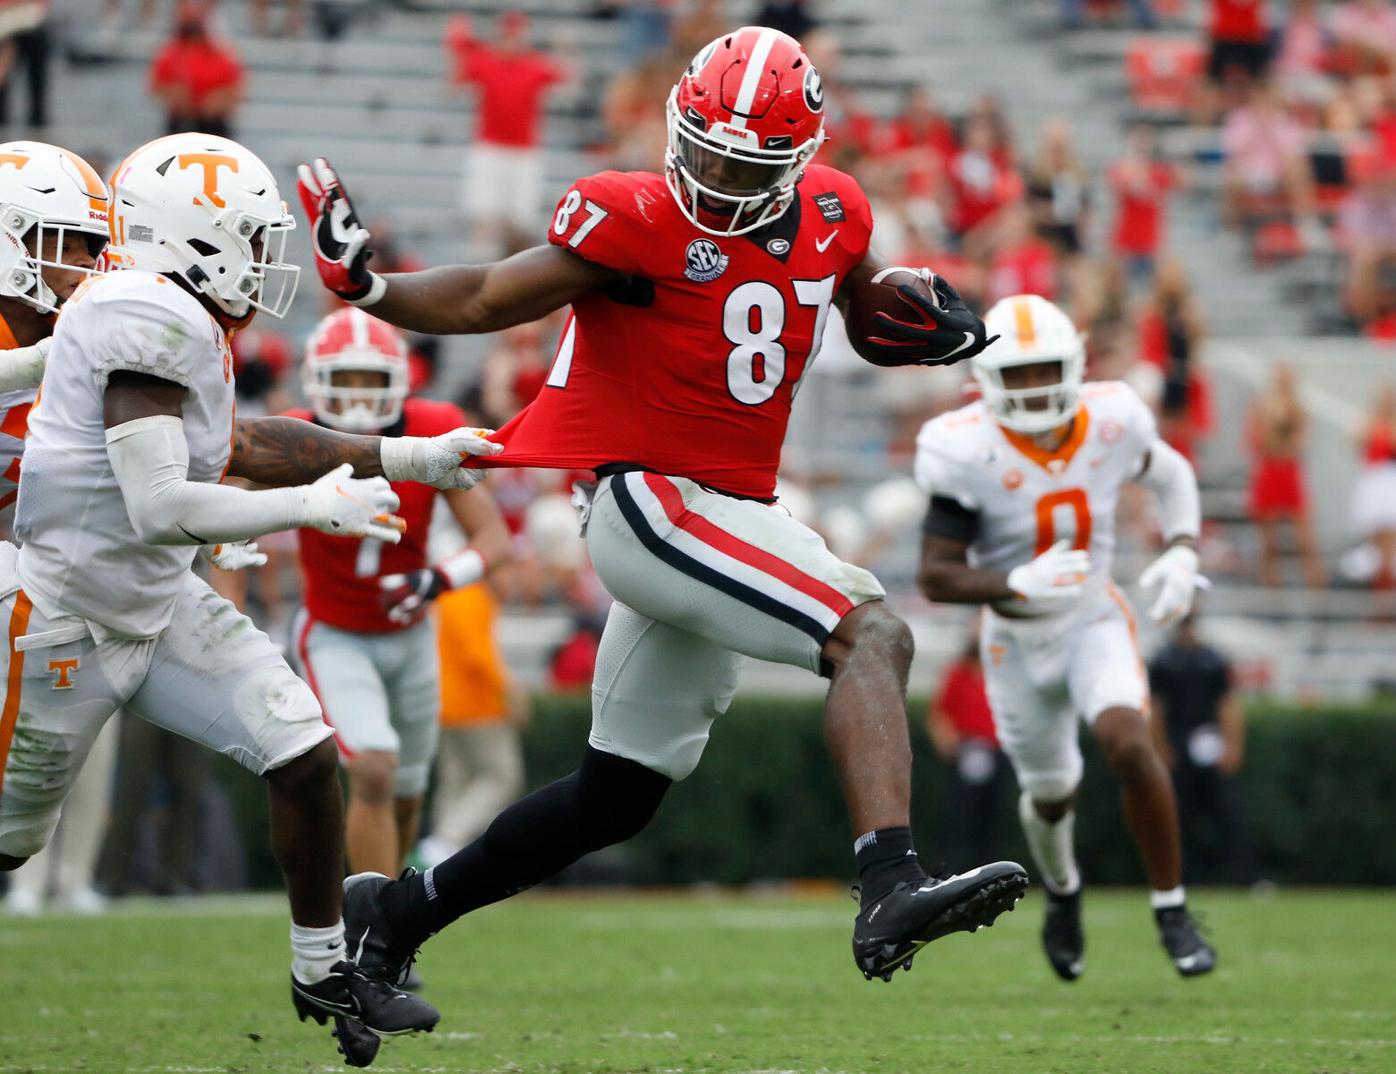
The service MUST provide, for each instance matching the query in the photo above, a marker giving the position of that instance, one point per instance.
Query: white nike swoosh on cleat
(1187, 962)
(823, 244)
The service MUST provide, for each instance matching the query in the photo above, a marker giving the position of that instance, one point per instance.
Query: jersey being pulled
(80, 555)
(341, 573)
(1026, 499)
(689, 366)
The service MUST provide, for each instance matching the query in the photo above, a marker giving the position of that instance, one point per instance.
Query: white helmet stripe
(751, 77)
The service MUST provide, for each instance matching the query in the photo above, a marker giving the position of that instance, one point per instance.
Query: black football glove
(947, 333)
(404, 597)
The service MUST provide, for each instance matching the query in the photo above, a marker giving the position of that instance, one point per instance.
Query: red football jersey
(341, 573)
(688, 367)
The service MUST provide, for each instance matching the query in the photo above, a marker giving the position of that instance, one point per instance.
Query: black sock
(885, 858)
(606, 801)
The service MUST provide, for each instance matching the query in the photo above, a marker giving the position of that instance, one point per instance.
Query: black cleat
(357, 1043)
(367, 935)
(1062, 938)
(1192, 955)
(351, 993)
(890, 932)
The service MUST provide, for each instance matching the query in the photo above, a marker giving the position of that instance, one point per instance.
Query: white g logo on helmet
(46, 193)
(207, 210)
(1031, 331)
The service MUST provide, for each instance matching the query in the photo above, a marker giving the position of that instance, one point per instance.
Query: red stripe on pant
(699, 527)
(303, 651)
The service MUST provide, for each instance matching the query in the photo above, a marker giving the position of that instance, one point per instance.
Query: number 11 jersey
(688, 365)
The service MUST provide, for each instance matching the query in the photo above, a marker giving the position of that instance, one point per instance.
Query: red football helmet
(744, 120)
(350, 341)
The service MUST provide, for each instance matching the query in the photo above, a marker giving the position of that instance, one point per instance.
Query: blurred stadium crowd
(1274, 124)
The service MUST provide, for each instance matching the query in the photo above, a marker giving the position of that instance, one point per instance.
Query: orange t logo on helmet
(19, 160)
(210, 162)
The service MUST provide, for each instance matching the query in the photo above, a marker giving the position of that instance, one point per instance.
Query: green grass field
(678, 984)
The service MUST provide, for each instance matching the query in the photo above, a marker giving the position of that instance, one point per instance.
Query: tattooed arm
(289, 451)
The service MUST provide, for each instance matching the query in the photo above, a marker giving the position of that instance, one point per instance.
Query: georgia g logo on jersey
(704, 261)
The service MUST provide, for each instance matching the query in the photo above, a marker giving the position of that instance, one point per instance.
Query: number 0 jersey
(688, 367)
(341, 573)
(1013, 500)
(80, 555)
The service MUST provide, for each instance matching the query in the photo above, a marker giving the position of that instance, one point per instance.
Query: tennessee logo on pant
(63, 673)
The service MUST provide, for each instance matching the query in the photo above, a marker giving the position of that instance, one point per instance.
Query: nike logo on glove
(969, 342)
(823, 244)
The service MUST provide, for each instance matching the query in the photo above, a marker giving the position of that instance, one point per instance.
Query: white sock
(315, 951)
(1052, 847)
(1167, 900)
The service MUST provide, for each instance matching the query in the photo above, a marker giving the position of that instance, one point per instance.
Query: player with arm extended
(122, 466)
(1023, 487)
(698, 299)
(363, 640)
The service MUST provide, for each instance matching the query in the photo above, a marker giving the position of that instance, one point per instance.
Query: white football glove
(1057, 574)
(437, 460)
(349, 506)
(1175, 573)
(23, 367)
(233, 555)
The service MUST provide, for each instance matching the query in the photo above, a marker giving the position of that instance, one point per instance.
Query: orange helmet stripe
(1023, 322)
(96, 189)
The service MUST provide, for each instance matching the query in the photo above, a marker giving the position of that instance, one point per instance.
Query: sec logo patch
(704, 261)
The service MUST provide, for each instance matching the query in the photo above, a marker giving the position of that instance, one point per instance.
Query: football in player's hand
(869, 334)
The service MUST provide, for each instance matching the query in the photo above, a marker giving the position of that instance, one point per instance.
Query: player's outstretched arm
(289, 451)
(149, 458)
(1175, 573)
(452, 300)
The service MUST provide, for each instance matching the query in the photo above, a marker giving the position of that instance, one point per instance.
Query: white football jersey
(1026, 499)
(80, 554)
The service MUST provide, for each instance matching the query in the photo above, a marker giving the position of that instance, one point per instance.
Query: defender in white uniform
(1024, 485)
(121, 484)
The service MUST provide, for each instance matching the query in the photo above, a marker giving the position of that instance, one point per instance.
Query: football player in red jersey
(363, 641)
(698, 301)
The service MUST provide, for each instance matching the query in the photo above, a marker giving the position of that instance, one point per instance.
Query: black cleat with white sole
(353, 994)
(890, 932)
(368, 937)
(1062, 938)
(1192, 955)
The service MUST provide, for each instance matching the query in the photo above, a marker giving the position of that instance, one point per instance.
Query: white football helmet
(349, 339)
(1030, 330)
(207, 210)
(50, 192)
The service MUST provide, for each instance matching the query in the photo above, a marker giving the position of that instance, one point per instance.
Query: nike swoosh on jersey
(823, 244)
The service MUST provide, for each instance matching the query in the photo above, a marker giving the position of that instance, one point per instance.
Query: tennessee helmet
(350, 339)
(744, 120)
(1031, 330)
(46, 193)
(207, 210)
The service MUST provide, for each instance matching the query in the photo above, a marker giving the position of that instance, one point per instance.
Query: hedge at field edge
(1319, 786)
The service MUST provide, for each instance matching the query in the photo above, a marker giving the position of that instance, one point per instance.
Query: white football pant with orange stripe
(1044, 674)
(700, 579)
(210, 676)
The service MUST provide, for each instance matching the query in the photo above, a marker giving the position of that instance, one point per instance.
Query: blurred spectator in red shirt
(1365, 32)
(981, 184)
(504, 170)
(196, 77)
(1279, 430)
(1170, 333)
(1141, 183)
(924, 141)
(1023, 263)
(1239, 32)
(961, 728)
(1374, 492)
